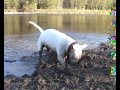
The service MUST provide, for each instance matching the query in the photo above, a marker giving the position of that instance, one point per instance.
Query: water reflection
(18, 24)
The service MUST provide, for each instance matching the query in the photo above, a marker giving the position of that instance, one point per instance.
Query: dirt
(91, 73)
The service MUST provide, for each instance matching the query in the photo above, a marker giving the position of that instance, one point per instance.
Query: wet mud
(91, 73)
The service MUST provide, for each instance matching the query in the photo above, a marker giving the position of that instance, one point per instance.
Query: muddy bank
(91, 73)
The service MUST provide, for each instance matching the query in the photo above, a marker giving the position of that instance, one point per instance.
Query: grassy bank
(59, 11)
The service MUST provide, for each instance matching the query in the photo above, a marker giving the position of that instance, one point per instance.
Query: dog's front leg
(61, 60)
(40, 51)
(48, 49)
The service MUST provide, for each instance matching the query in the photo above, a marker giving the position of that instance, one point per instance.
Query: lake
(20, 38)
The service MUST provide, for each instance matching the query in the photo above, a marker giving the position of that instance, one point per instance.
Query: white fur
(58, 42)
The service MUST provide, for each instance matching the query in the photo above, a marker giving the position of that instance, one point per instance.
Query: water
(20, 38)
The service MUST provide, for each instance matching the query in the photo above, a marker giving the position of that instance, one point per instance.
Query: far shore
(61, 11)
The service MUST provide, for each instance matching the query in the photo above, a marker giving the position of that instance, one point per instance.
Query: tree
(42, 4)
(52, 3)
(11, 4)
(27, 5)
(59, 4)
(66, 3)
(6, 4)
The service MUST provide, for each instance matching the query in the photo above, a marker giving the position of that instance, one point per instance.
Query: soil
(91, 73)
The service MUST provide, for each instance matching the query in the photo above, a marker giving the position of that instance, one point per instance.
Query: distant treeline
(59, 4)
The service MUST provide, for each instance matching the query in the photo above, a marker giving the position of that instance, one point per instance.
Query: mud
(91, 73)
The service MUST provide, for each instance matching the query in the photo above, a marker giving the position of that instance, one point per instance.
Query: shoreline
(62, 11)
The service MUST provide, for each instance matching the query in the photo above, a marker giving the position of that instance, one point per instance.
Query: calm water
(21, 38)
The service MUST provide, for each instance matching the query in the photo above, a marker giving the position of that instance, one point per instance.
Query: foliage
(59, 4)
(11, 4)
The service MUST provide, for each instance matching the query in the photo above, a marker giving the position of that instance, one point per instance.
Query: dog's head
(76, 52)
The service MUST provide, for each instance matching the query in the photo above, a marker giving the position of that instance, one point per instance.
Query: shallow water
(20, 38)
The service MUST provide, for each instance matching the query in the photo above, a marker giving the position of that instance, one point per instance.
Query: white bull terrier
(60, 43)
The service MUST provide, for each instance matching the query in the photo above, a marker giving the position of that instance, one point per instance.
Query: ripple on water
(16, 47)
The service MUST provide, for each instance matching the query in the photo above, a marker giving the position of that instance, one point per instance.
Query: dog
(67, 49)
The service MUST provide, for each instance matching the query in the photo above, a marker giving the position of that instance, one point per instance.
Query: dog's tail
(38, 27)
